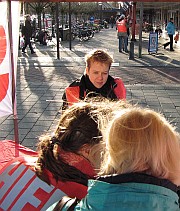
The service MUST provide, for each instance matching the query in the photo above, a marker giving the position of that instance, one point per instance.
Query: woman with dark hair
(68, 153)
(63, 165)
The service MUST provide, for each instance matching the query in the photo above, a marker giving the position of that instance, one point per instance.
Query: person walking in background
(96, 81)
(112, 21)
(141, 166)
(27, 31)
(170, 28)
(122, 33)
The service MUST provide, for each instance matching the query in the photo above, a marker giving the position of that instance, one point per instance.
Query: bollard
(131, 51)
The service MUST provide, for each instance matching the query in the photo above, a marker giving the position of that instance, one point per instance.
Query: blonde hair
(142, 140)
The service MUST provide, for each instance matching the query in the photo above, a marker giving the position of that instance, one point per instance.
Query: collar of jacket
(138, 178)
(87, 84)
(107, 90)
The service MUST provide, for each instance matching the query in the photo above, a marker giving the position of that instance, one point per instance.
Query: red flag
(5, 55)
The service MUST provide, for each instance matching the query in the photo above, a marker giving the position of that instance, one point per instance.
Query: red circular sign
(4, 83)
(2, 44)
(4, 78)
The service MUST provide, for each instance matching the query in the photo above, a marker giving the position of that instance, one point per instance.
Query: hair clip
(139, 128)
(54, 140)
(97, 137)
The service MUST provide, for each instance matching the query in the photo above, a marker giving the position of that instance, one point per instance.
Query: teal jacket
(129, 196)
(170, 28)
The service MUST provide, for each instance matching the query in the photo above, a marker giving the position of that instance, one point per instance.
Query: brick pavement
(152, 81)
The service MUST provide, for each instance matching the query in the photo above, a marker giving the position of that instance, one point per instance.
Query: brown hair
(75, 128)
(98, 56)
(78, 125)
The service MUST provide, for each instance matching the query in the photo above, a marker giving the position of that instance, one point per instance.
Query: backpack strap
(65, 199)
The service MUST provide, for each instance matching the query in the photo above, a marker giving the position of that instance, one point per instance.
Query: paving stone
(150, 81)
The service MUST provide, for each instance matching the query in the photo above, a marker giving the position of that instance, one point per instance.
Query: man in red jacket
(96, 81)
(122, 33)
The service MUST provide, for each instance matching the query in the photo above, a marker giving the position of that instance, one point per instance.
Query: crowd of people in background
(122, 23)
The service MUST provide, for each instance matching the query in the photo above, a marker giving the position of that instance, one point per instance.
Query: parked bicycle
(83, 34)
(42, 36)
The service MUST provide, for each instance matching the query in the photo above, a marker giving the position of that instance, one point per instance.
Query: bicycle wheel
(91, 34)
(85, 38)
(70, 35)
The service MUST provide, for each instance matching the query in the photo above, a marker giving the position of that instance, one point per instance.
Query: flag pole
(15, 118)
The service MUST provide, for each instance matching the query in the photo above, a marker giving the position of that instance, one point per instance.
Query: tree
(39, 9)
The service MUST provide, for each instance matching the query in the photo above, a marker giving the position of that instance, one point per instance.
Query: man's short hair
(27, 15)
(98, 56)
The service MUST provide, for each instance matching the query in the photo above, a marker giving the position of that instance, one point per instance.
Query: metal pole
(15, 118)
(100, 12)
(70, 41)
(140, 30)
(57, 28)
(134, 22)
(131, 51)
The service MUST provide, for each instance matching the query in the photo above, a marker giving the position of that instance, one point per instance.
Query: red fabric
(79, 162)
(12, 152)
(9, 150)
(4, 84)
(176, 38)
(72, 94)
(121, 26)
(21, 189)
(3, 44)
(72, 189)
(120, 90)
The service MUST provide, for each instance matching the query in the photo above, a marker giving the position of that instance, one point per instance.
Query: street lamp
(100, 4)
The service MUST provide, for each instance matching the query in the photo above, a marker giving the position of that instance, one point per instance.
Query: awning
(92, 1)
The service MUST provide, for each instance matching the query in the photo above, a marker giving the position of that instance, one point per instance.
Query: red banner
(5, 54)
(95, 1)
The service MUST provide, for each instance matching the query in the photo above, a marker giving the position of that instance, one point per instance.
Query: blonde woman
(141, 168)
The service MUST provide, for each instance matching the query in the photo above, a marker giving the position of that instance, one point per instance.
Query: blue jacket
(147, 194)
(170, 28)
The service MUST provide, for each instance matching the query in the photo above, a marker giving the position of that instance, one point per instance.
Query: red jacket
(121, 26)
(73, 92)
(21, 189)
